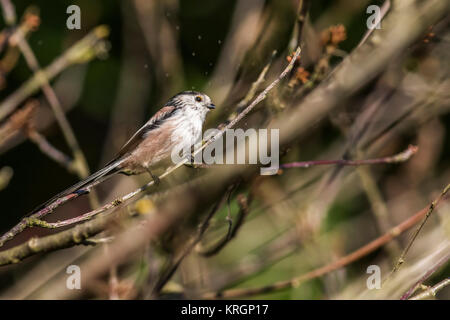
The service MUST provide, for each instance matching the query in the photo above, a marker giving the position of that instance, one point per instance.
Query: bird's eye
(198, 99)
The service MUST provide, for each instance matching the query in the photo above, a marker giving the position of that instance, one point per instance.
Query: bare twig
(401, 157)
(9, 13)
(23, 120)
(6, 174)
(18, 121)
(431, 208)
(50, 150)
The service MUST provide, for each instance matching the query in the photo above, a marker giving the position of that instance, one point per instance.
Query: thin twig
(401, 157)
(431, 208)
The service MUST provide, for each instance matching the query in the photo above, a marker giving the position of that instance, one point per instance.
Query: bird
(178, 124)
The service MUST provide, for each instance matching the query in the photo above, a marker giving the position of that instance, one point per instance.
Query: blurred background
(299, 220)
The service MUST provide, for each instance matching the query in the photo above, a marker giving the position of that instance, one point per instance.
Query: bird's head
(193, 100)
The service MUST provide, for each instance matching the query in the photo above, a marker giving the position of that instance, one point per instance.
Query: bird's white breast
(188, 127)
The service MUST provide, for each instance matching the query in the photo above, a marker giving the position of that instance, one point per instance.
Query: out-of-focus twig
(9, 13)
(81, 52)
(6, 174)
(50, 150)
(18, 121)
(22, 120)
(302, 11)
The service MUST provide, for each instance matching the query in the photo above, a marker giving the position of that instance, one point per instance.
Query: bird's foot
(155, 178)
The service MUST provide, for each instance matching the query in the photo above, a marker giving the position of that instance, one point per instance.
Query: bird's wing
(163, 114)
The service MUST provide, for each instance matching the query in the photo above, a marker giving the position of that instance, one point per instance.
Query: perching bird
(176, 125)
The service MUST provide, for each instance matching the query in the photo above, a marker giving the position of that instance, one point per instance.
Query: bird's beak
(211, 106)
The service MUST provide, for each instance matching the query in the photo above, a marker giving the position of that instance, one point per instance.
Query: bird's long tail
(94, 178)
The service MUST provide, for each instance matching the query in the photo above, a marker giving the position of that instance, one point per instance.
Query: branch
(401, 157)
